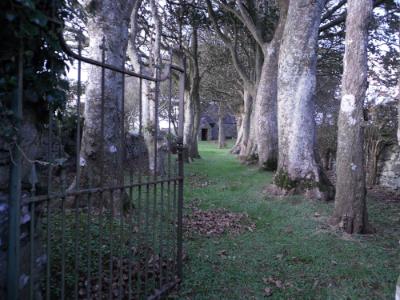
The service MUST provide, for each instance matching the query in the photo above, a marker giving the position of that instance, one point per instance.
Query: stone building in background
(208, 130)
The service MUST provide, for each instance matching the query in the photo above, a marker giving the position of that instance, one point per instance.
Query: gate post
(15, 193)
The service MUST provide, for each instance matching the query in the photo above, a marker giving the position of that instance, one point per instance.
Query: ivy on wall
(35, 24)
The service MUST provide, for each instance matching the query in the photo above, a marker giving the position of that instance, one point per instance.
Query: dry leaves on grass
(216, 222)
(144, 266)
(272, 282)
(198, 180)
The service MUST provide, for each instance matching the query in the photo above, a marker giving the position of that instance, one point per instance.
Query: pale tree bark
(398, 111)
(99, 155)
(266, 101)
(298, 170)
(221, 128)
(239, 129)
(246, 122)
(350, 204)
(192, 100)
(251, 156)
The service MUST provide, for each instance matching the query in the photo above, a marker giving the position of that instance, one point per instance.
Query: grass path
(292, 245)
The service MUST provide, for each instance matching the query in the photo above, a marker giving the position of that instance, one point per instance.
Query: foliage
(33, 26)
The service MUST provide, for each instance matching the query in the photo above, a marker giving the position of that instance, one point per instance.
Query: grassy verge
(292, 251)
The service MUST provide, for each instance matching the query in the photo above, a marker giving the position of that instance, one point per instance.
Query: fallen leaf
(288, 229)
(223, 253)
(278, 284)
(268, 291)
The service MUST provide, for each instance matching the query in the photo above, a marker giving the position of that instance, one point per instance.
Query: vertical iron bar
(140, 104)
(139, 210)
(78, 114)
(103, 74)
(111, 235)
(76, 254)
(168, 218)
(89, 249)
(32, 247)
(121, 154)
(78, 166)
(63, 248)
(175, 227)
(181, 99)
(131, 230)
(15, 191)
(180, 209)
(146, 238)
(180, 172)
(162, 220)
(63, 188)
(156, 168)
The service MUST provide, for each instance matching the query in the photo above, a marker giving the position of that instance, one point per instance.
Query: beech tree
(108, 20)
(298, 169)
(350, 205)
(192, 96)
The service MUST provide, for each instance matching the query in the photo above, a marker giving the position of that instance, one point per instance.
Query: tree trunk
(188, 125)
(192, 119)
(102, 144)
(398, 111)
(192, 101)
(246, 120)
(350, 207)
(239, 136)
(298, 170)
(251, 156)
(266, 101)
(221, 128)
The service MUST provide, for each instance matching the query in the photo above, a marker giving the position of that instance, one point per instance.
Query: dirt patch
(216, 222)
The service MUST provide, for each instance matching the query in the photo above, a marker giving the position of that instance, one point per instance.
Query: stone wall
(389, 167)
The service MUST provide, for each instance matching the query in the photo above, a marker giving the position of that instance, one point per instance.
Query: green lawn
(291, 243)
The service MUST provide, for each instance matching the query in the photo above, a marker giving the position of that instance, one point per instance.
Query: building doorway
(204, 134)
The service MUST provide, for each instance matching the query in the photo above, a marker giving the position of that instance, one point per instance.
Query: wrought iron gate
(64, 246)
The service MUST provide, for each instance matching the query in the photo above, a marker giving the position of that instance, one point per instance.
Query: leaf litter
(216, 222)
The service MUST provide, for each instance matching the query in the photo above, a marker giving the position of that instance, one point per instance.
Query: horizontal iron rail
(98, 190)
(71, 53)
